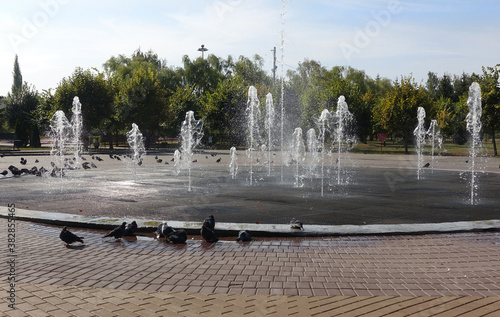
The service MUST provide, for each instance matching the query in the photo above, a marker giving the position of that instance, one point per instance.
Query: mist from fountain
(298, 154)
(77, 126)
(177, 162)
(436, 140)
(419, 134)
(474, 127)
(253, 117)
(343, 119)
(233, 165)
(191, 134)
(269, 124)
(60, 131)
(136, 143)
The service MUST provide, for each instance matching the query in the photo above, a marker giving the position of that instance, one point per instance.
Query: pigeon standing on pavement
(244, 236)
(130, 229)
(117, 232)
(69, 237)
(177, 237)
(208, 234)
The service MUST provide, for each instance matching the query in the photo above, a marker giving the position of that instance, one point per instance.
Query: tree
(95, 94)
(397, 113)
(490, 95)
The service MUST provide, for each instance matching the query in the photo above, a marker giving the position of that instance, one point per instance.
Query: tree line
(143, 89)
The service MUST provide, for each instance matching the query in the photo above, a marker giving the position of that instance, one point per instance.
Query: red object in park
(381, 137)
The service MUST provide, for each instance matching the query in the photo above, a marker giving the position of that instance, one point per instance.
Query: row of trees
(143, 89)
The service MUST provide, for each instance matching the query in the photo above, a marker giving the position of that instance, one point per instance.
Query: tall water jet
(233, 165)
(312, 148)
(323, 124)
(269, 123)
(253, 116)
(282, 81)
(435, 138)
(77, 125)
(177, 162)
(297, 151)
(136, 142)
(419, 134)
(191, 134)
(474, 127)
(60, 131)
(343, 119)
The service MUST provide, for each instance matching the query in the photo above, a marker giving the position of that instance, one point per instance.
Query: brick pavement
(447, 274)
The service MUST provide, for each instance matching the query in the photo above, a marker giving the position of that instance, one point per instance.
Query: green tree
(397, 113)
(490, 99)
(95, 94)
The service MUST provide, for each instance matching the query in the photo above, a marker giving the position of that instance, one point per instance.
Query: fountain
(323, 123)
(474, 127)
(233, 165)
(191, 134)
(253, 117)
(136, 143)
(269, 126)
(343, 119)
(297, 151)
(419, 134)
(77, 125)
(312, 148)
(177, 162)
(60, 131)
(436, 140)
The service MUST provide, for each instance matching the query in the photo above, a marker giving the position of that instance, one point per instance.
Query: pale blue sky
(386, 37)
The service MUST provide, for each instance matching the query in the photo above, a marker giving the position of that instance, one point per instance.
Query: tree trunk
(495, 153)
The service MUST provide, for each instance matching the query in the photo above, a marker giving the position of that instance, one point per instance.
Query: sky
(387, 38)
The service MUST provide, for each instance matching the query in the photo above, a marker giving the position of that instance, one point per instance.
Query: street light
(202, 49)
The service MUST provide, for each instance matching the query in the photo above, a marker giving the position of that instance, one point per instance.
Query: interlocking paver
(307, 275)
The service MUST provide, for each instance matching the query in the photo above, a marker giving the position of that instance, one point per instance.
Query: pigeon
(118, 158)
(177, 237)
(23, 161)
(218, 160)
(296, 224)
(117, 232)
(111, 156)
(195, 161)
(83, 158)
(93, 157)
(98, 158)
(14, 170)
(4, 172)
(244, 236)
(68, 237)
(209, 222)
(93, 165)
(156, 157)
(33, 170)
(85, 165)
(159, 160)
(130, 229)
(37, 161)
(208, 234)
(427, 164)
(163, 230)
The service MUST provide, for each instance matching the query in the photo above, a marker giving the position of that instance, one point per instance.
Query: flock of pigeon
(171, 235)
(70, 164)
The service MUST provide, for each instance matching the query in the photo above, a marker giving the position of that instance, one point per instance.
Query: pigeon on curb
(209, 222)
(244, 236)
(117, 232)
(130, 229)
(208, 234)
(177, 237)
(164, 230)
(296, 224)
(69, 237)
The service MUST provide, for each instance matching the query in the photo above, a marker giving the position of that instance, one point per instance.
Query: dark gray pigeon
(209, 222)
(164, 230)
(208, 234)
(130, 229)
(244, 236)
(117, 232)
(177, 237)
(68, 237)
(427, 164)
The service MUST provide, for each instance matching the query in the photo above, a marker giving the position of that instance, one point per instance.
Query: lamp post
(202, 49)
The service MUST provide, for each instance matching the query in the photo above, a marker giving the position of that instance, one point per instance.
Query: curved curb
(263, 230)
